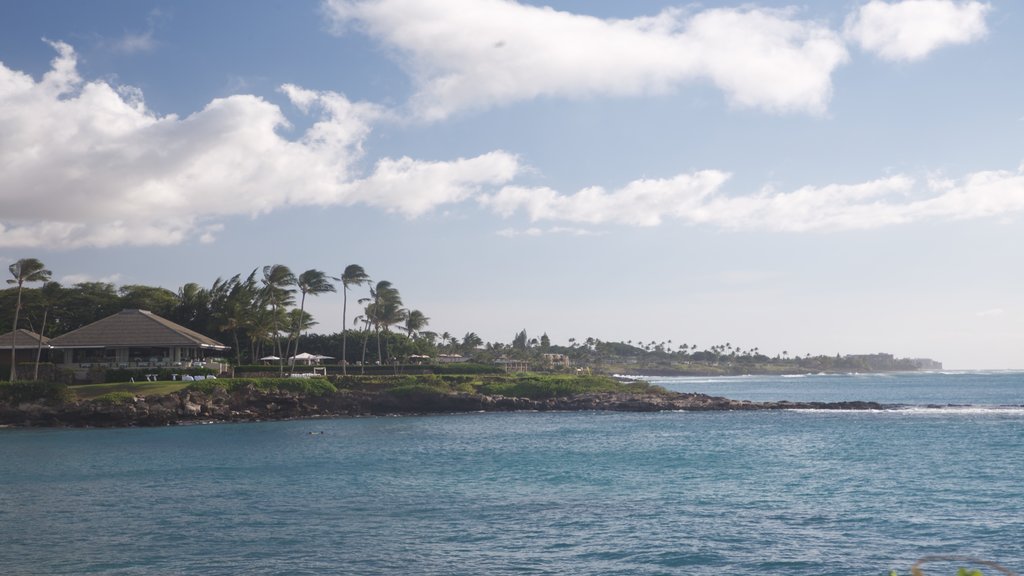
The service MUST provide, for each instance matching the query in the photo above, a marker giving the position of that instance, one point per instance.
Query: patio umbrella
(304, 357)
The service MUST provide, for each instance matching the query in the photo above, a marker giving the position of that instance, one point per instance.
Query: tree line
(260, 314)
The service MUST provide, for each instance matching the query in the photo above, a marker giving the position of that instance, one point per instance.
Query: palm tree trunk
(297, 333)
(238, 350)
(380, 357)
(14, 335)
(277, 344)
(39, 346)
(366, 339)
(344, 314)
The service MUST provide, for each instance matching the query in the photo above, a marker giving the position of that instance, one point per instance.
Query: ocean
(739, 493)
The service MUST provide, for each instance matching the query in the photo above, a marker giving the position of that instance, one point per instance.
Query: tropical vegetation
(262, 316)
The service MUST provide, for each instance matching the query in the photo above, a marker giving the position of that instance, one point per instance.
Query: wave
(968, 409)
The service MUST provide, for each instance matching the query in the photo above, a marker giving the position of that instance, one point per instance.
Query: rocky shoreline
(252, 405)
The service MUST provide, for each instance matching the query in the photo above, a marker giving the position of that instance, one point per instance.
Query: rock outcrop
(188, 406)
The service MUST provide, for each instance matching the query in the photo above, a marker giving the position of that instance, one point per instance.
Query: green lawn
(89, 391)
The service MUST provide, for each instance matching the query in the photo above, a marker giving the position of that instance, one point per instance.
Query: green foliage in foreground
(18, 392)
(115, 398)
(534, 386)
(538, 387)
(530, 385)
(95, 391)
(311, 386)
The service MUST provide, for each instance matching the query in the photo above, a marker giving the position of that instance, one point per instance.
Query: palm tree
(471, 341)
(24, 270)
(51, 292)
(386, 311)
(276, 281)
(383, 308)
(310, 282)
(237, 309)
(414, 322)
(354, 275)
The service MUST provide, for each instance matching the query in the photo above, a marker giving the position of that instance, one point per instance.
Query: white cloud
(640, 203)
(760, 58)
(534, 231)
(86, 164)
(72, 279)
(992, 312)
(133, 43)
(912, 29)
(698, 199)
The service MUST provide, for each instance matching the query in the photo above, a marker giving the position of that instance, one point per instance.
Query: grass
(531, 385)
(92, 391)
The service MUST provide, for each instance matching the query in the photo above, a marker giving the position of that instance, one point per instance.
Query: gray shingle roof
(22, 339)
(134, 328)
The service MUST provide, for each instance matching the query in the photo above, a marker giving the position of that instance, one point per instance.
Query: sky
(822, 178)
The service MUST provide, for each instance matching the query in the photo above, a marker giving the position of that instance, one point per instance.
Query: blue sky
(841, 177)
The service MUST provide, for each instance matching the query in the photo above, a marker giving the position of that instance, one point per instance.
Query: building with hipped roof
(133, 339)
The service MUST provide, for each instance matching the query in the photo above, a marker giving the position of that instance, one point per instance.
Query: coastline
(253, 405)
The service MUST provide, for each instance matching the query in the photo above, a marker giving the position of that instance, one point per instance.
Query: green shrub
(310, 386)
(115, 398)
(470, 368)
(21, 391)
(555, 386)
(139, 374)
(419, 389)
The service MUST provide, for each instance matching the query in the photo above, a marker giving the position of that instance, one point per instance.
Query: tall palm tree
(415, 321)
(51, 293)
(24, 270)
(470, 341)
(354, 275)
(277, 280)
(312, 282)
(383, 309)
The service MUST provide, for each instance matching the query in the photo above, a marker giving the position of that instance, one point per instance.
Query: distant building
(926, 364)
(513, 365)
(133, 339)
(557, 360)
(883, 362)
(25, 343)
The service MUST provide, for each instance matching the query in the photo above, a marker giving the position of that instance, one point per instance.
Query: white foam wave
(931, 410)
(961, 409)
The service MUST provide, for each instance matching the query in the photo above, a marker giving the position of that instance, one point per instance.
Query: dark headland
(251, 403)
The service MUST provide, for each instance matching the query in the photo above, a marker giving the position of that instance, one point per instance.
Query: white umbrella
(304, 357)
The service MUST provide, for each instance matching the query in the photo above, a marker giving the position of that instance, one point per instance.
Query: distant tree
(159, 301)
(277, 292)
(414, 322)
(24, 270)
(383, 309)
(519, 341)
(471, 341)
(545, 342)
(312, 282)
(238, 310)
(353, 275)
(50, 293)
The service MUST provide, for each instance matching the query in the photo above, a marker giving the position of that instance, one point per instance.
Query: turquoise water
(530, 493)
